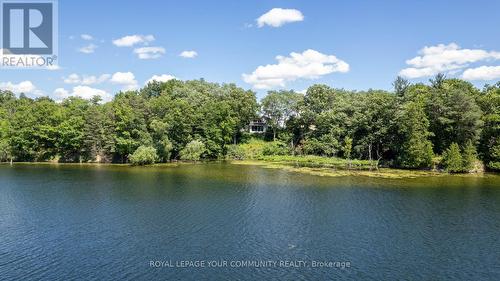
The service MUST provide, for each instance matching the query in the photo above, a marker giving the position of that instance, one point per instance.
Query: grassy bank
(333, 167)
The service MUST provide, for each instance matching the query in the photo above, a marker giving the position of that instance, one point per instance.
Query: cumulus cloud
(309, 64)
(87, 37)
(188, 54)
(277, 17)
(84, 92)
(26, 87)
(85, 79)
(125, 79)
(89, 49)
(145, 53)
(482, 73)
(444, 58)
(131, 40)
(160, 78)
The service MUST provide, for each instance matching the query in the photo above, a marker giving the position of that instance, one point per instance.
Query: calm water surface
(65, 222)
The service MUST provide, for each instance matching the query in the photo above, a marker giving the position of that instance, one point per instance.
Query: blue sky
(375, 39)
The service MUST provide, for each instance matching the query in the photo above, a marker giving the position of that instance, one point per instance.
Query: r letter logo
(29, 31)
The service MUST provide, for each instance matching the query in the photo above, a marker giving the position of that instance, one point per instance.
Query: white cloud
(131, 40)
(126, 79)
(84, 92)
(89, 49)
(60, 94)
(309, 64)
(160, 78)
(86, 80)
(145, 53)
(482, 73)
(72, 79)
(444, 58)
(277, 17)
(87, 37)
(26, 87)
(53, 67)
(188, 54)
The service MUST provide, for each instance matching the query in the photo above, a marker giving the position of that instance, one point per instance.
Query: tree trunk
(379, 156)
(370, 155)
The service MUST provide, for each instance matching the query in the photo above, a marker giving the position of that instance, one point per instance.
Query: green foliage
(416, 149)
(452, 159)
(406, 128)
(495, 154)
(193, 151)
(235, 152)
(453, 114)
(253, 149)
(278, 107)
(469, 157)
(318, 161)
(489, 145)
(275, 148)
(401, 85)
(347, 148)
(143, 155)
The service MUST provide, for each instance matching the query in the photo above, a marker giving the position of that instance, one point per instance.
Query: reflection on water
(108, 222)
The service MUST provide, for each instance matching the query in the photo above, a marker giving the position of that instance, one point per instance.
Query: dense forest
(448, 123)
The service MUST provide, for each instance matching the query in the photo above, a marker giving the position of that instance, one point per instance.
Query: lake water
(67, 222)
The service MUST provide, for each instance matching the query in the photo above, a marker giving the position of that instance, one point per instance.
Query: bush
(256, 148)
(165, 148)
(275, 148)
(143, 155)
(235, 152)
(253, 149)
(193, 150)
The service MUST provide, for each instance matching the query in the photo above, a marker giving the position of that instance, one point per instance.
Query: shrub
(276, 148)
(235, 152)
(165, 149)
(253, 149)
(494, 162)
(143, 155)
(193, 150)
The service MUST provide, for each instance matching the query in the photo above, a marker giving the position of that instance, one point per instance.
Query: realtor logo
(29, 33)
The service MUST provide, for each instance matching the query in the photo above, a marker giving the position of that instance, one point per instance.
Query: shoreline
(316, 169)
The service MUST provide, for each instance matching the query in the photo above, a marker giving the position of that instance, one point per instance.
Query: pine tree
(452, 159)
(469, 156)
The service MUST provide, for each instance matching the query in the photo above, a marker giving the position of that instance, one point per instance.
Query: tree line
(446, 121)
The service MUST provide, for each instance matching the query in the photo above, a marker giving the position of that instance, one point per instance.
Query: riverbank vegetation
(447, 124)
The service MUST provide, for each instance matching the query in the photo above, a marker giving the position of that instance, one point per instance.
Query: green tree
(278, 107)
(193, 150)
(452, 159)
(453, 114)
(143, 155)
(469, 156)
(416, 149)
(489, 145)
(400, 85)
(347, 149)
